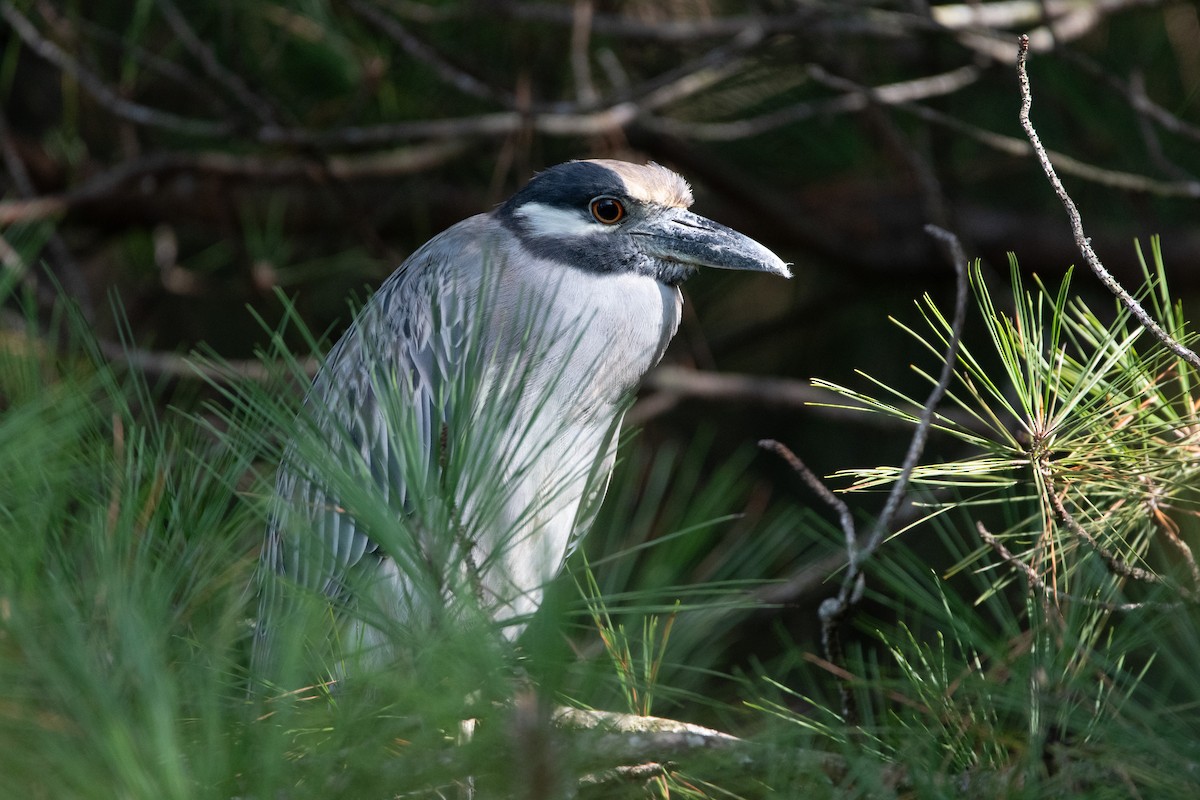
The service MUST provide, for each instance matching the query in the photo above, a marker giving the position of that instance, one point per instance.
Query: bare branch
(500, 123)
(385, 163)
(1035, 581)
(890, 94)
(1081, 240)
(1038, 585)
(845, 518)
(925, 421)
(1116, 565)
(132, 112)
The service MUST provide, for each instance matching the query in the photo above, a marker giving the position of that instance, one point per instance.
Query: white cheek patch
(544, 220)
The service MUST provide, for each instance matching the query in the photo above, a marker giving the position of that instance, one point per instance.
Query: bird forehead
(575, 182)
(650, 183)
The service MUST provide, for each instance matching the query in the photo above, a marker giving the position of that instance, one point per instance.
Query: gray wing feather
(409, 335)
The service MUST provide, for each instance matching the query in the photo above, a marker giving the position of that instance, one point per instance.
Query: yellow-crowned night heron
(468, 418)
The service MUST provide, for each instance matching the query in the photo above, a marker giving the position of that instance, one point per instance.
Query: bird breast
(598, 334)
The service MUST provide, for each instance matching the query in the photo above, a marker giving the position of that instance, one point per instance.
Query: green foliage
(130, 538)
(1077, 448)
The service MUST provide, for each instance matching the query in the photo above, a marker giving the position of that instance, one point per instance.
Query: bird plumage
(474, 404)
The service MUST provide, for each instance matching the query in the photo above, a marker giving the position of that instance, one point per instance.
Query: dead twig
(1081, 240)
(1114, 563)
(1038, 585)
(858, 551)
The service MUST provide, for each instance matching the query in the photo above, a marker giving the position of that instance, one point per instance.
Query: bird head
(614, 216)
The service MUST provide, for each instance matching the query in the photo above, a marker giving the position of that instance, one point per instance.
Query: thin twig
(1117, 565)
(845, 518)
(1038, 585)
(1081, 240)
(925, 421)
(834, 609)
(1035, 581)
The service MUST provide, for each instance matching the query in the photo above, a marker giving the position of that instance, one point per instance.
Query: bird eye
(608, 210)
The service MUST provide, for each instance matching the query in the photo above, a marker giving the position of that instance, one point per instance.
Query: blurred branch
(104, 186)
(683, 382)
(233, 84)
(1071, 17)
(890, 94)
(581, 64)
(669, 384)
(132, 112)
(648, 746)
(652, 737)
(161, 364)
(64, 262)
(1133, 91)
(1057, 21)
(449, 74)
(1016, 147)
(665, 30)
(1081, 240)
(158, 363)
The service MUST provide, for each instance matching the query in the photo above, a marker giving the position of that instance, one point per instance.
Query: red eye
(608, 210)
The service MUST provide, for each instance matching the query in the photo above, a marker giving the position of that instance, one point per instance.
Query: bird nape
(460, 436)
